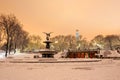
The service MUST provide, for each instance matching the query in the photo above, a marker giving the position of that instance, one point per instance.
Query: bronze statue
(47, 35)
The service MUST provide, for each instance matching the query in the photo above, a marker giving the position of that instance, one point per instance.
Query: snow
(109, 53)
(2, 54)
(105, 70)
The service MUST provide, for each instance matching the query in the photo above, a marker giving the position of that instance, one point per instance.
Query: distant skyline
(63, 17)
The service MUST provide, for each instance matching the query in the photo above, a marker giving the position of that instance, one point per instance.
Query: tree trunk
(6, 50)
(15, 48)
(7, 46)
(110, 44)
(10, 45)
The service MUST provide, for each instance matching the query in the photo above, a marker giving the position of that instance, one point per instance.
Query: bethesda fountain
(47, 52)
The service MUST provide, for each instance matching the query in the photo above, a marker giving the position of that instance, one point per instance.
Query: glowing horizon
(63, 17)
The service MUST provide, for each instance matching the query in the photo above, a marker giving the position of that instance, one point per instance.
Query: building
(82, 54)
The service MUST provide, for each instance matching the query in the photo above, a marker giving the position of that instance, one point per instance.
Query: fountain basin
(47, 53)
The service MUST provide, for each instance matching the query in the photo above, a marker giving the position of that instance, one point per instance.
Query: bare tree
(84, 45)
(98, 42)
(9, 23)
(2, 37)
(111, 40)
(24, 40)
(34, 42)
(60, 43)
(71, 41)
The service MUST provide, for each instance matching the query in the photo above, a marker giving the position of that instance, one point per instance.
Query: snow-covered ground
(105, 53)
(2, 54)
(109, 53)
(107, 69)
(15, 55)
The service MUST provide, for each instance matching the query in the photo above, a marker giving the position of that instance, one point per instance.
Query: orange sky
(91, 17)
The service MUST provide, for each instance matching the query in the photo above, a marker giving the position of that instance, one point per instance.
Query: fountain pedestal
(47, 53)
(47, 44)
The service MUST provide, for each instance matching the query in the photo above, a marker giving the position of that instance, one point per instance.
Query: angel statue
(47, 35)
